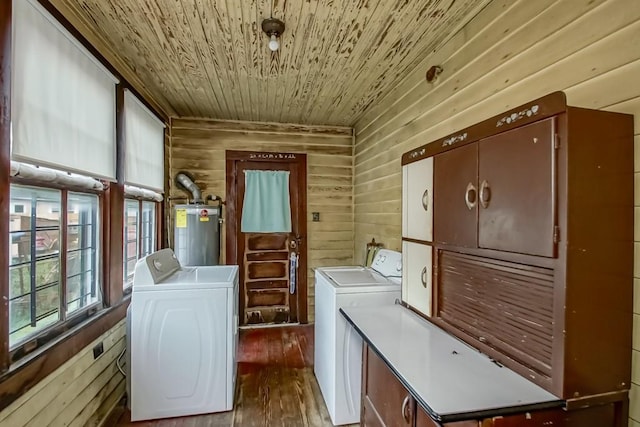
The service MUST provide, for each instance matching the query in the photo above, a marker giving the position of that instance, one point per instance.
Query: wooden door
(267, 293)
(516, 192)
(455, 196)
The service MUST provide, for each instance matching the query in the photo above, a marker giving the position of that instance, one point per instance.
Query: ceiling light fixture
(433, 73)
(274, 28)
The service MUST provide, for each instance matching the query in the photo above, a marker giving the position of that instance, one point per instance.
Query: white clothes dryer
(183, 338)
(338, 347)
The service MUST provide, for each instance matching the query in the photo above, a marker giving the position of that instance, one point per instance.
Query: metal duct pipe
(186, 181)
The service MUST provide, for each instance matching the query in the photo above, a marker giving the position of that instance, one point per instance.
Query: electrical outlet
(97, 351)
(316, 216)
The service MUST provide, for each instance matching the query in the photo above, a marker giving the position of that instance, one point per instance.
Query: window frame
(20, 373)
(127, 276)
(155, 236)
(66, 320)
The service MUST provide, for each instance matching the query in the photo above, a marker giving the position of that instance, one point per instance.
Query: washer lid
(355, 276)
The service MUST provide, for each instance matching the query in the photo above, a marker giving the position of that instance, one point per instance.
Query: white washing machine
(338, 347)
(183, 338)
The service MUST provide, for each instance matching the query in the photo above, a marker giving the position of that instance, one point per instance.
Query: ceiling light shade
(273, 28)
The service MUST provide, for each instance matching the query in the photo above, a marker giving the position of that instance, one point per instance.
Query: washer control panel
(388, 263)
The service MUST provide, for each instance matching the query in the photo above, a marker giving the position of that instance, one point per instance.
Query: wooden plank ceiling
(209, 58)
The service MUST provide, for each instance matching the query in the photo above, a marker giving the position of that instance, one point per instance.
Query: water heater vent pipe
(185, 181)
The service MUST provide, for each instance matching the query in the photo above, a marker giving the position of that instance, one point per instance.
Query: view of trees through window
(35, 258)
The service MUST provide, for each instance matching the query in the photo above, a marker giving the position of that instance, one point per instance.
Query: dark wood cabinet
(516, 190)
(385, 401)
(533, 246)
(455, 198)
(499, 192)
(416, 374)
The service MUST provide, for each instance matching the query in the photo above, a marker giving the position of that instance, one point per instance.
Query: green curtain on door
(266, 206)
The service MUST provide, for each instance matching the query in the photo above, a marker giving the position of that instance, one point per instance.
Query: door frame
(232, 160)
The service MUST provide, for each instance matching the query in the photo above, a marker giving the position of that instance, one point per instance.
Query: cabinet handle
(485, 194)
(470, 196)
(425, 199)
(406, 414)
(423, 277)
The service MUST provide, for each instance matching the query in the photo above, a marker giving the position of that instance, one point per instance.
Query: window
(131, 211)
(148, 228)
(82, 251)
(139, 234)
(39, 296)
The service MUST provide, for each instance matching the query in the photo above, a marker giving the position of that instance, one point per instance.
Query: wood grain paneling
(80, 393)
(210, 59)
(510, 53)
(198, 146)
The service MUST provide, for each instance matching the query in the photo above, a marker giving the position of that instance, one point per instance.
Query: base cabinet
(424, 420)
(386, 402)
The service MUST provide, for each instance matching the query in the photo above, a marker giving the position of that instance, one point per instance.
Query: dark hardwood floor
(275, 385)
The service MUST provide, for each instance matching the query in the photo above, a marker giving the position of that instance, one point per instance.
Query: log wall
(198, 147)
(510, 53)
(80, 393)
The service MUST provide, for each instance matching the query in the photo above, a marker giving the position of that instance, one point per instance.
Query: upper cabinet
(417, 276)
(456, 197)
(516, 190)
(417, 200)
(499, 193)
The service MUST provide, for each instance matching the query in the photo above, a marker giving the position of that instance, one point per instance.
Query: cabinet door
(455, 196)
(417, 276)
(385, 400)
(516, 190)
(417, 200)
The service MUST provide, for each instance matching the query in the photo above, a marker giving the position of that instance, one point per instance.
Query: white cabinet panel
(417, 276)
(417, 200)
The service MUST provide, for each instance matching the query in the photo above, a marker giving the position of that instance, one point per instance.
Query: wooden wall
(510, 53)
(80, 393)
(198, 147)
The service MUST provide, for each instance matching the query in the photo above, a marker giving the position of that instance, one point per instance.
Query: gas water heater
(196, 227)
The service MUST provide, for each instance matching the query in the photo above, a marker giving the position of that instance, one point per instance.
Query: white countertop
(449, 379)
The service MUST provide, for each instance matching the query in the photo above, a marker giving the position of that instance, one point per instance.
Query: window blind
(63, 99)
(144, 145)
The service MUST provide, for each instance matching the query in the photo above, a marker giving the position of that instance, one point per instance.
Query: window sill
(33, 368)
